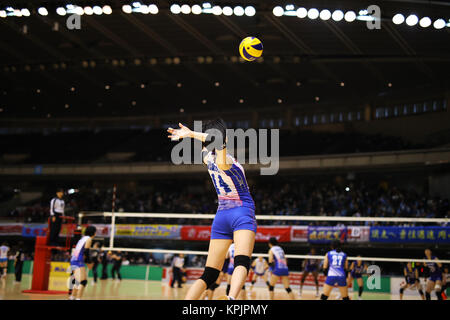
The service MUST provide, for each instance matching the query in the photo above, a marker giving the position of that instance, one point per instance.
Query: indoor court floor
(157, 290)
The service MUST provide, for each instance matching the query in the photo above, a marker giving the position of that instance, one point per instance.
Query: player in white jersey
(235, 217)
(4, 249)
(80, 256)
(278, 262)
(259, 266)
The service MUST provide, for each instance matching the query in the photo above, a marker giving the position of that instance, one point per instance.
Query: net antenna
(113, 217)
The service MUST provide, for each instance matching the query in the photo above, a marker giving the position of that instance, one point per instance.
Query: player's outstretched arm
(185, 132)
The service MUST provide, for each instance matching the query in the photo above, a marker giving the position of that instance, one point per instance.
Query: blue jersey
(358, 269)
(336, 263)
(433, 267)
(231, 185)
(78, 251)
(411, 274)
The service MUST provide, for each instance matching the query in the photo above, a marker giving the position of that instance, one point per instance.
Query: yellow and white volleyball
(251, 48)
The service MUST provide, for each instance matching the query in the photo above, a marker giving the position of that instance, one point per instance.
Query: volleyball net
(437, 232)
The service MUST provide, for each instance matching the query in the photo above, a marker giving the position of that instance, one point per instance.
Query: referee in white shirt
(177, 270)
(56, 211)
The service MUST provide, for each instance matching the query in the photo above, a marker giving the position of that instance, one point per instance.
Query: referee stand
(43, 255)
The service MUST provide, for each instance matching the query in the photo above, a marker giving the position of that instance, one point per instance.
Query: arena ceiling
(146, 64)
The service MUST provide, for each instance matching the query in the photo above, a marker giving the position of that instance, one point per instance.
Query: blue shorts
(3, 260)
(260, 274)
(332, 281)
(280, 272)
(435, 277)
(356, 275)
(230, 220)
(76, 264)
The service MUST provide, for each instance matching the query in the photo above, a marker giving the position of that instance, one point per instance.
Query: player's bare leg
(216, 256)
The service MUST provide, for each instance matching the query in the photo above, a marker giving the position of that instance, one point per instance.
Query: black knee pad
(271, 288)
(421, 292)
(427, 296)
(346, 298)
(73, 281)
(213, 287)
(83, 283)
(402, 290)
(242, 260)
(243, 287)
(323, 297)
(288, 290)
(210, 276)
(253, 282)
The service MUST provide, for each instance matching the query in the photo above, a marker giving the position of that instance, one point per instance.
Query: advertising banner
(11, 229)
(58, 276)
(358, 234)
(148, 231)
(263, 233)
(410, 234)
(33, 230)
(326, 234)
(299, 233)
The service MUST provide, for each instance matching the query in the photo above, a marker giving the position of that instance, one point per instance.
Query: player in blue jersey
(80, 257)
(278, 262)
(235, 217)
(435, 280)
(310, 266)
(357, 268)
(412, 280)
(335, 267)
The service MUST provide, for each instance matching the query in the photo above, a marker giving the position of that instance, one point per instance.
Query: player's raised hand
(183, 132)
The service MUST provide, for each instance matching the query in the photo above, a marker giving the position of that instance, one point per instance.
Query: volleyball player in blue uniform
(80, 256)
(435, 280)
(357, 268)
(335, 266)
(310, 266)
(412, 280)
(235, 217)
(278, 262)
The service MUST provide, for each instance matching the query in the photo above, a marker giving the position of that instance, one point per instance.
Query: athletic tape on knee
(242, 260)
(210, 276)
